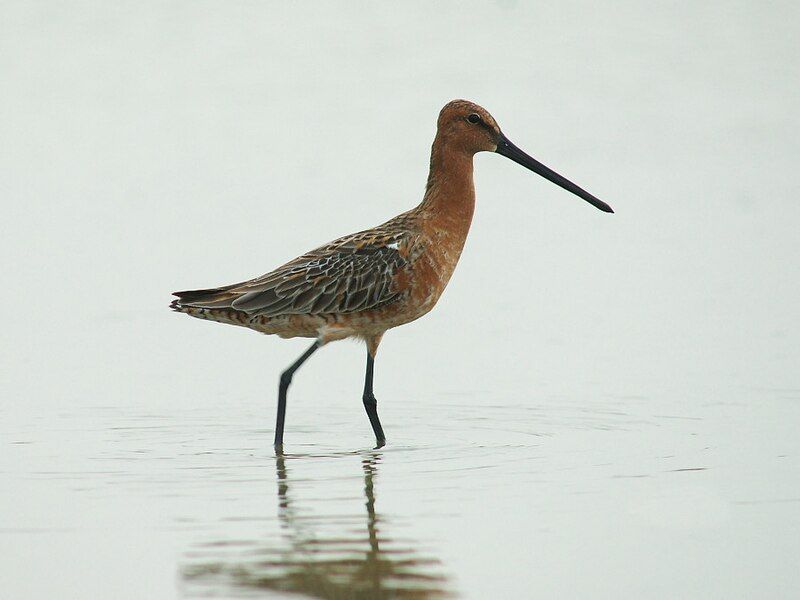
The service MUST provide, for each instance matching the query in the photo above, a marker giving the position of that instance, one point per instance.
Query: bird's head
(466, 127)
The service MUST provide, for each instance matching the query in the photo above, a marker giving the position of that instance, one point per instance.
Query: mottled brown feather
(352, 273)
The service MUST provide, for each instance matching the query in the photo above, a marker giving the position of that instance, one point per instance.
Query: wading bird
(363, 284)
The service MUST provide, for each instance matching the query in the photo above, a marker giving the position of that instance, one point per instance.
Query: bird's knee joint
(370, 400)
(286, 378)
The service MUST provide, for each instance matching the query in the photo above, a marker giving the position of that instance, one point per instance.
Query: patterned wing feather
(354, 273)
(343, 279)
(351, 274)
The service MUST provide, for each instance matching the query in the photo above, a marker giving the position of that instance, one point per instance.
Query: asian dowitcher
(363, 284)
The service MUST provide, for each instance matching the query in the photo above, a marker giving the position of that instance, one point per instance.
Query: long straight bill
(509, 150)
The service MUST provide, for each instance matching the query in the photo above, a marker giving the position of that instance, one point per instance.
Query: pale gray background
(539, 420)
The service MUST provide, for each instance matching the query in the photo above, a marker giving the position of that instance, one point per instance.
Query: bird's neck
(450, 193)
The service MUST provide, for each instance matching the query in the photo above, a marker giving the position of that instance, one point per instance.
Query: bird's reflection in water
(362, 563)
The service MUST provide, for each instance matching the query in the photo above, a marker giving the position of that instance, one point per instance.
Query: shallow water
(600, 406)
(554, 497)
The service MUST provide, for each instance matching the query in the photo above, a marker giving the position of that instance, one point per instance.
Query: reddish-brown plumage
(423, 244)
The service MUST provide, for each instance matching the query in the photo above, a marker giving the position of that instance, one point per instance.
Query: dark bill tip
(509, 150)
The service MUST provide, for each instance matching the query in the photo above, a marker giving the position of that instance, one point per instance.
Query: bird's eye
(474, 118)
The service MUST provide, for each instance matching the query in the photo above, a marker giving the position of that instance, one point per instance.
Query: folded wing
(350, 275)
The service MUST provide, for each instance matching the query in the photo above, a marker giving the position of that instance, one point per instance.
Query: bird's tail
(220, 297)
(213, 304)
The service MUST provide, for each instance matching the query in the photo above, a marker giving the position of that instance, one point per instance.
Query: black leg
(286, 379)
(371, 404)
